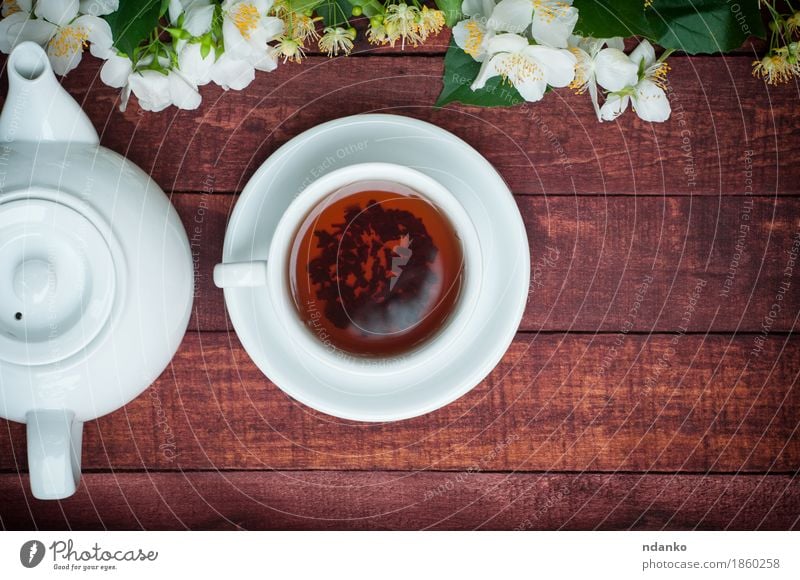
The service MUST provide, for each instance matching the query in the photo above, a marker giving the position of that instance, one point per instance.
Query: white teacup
(273, 273)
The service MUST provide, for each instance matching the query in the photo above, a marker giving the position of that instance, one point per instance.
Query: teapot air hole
(18, 316)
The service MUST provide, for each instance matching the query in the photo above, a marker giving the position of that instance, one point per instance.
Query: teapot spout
(37, 108)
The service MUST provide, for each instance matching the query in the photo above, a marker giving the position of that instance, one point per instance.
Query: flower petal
(558, 64)
(644, 52)
(63, 61)
(477, 8)
(614, 70)
(506, 43)
(273, 27)
(593, 95)
(152, 89)
(193, 66)
(531, 89)
(198, 18)
(116, 70)
(554, 30)
(98, 7)
(616, 42)
(19, 27)
(267, 60)
(487, 71)
(235, 44)
(651, 103)
(511, 16)
(262, 6)
(59, 12)
(231, 73)
(462, 33)
(174, 11)
(182, 93)
(98, 34)
(614, 106)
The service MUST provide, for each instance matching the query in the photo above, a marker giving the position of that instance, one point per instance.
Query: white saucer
(485, 197)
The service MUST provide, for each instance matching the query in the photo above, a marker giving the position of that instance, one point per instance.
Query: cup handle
(54, 453)
(240, 274)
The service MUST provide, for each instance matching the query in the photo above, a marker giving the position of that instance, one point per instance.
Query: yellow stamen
(519, 69)
(69, 40)
(246, 18)
(775, 68)
(658, 74)
(580, 83)
(474, 38)
(549, 10)
(10, 7)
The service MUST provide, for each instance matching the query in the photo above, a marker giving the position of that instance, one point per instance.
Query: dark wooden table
(648, 388)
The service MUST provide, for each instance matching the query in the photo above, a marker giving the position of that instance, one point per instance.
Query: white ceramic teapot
(96, 273)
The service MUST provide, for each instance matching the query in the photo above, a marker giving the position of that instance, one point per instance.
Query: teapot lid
(57, 281)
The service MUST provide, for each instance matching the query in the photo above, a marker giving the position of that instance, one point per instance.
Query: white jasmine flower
(57, 27)
(609, 67)
(198, 15)
(551, 21)
(156, 91)
(528, 67)
(472, 34)
(116, 71)
(226, 71)
(246, 30)
(648, 97)
(151, 89)
(66, 47)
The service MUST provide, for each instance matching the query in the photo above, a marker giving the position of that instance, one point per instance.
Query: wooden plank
(559, 402)
(554, 147)
(609, 264)
(407, 501)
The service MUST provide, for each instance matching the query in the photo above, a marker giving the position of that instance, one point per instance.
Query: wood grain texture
(590, 257)
(407, 501)
(553, 147)
(572, 402)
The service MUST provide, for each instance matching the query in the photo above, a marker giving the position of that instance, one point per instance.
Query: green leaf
(693, 26)
(452, 11)
(459, 71)
(335, 12)
(133, 22)
(607, 18)
(303, 5)
(705, 26)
